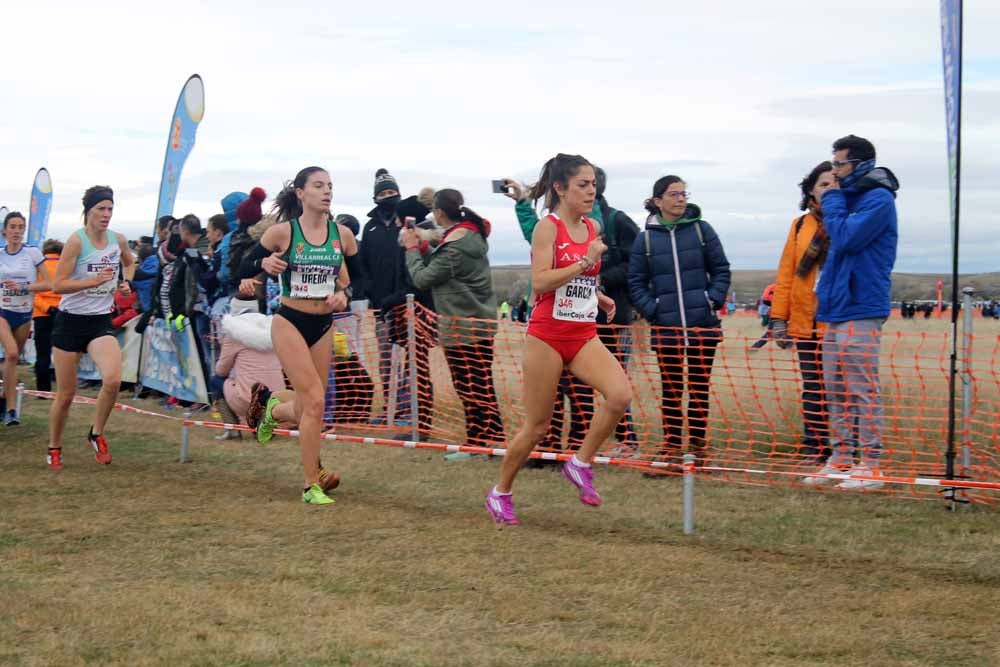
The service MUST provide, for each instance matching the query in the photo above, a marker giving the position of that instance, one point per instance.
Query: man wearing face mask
(383, 271)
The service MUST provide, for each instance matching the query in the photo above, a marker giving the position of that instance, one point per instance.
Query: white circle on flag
(43, 182)
(194, 98)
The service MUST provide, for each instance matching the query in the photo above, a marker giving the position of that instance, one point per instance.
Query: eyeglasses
(837, 164)
(682, 194)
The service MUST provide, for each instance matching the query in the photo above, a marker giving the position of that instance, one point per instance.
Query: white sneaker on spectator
(827, 469)
(874, 481)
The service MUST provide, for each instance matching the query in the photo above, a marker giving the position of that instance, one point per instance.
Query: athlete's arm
(128, 259)
(352, 259)
(543, 277)
(44, 283)
(266, 255)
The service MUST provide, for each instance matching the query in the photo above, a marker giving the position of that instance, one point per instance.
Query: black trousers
(814, 419)
(43, 353)
(471, 367)
(671, 351)
(624, 431)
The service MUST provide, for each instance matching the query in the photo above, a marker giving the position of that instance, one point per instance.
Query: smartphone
(409, 222)
(500, 187)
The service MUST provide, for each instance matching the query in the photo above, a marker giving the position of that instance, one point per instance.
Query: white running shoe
(874, 481)
(827, 469)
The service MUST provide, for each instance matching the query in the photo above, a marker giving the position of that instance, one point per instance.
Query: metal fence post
(19, 402)
(411, 345)
(185, 438)
(687, 473)
(967, 293)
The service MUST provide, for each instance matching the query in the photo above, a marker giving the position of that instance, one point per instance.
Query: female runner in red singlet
(565, 263)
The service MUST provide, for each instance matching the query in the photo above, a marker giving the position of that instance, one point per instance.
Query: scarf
(861, 170)
(815, 254)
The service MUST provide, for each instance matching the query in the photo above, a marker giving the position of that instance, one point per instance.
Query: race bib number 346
(576, 301)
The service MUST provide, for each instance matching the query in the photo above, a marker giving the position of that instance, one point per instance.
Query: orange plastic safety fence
(879, 399)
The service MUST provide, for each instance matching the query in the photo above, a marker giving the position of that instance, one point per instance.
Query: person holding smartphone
(566, 248)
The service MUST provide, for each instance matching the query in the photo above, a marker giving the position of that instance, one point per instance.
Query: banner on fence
(41, 207)
(161, 358)
(180, 141)
(130, 343)
(170, 363)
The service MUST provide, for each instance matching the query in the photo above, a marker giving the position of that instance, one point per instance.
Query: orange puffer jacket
(43, 300)
(795, 297)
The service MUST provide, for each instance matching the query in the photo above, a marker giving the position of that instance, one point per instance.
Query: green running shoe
(314, 496)
(265, 430)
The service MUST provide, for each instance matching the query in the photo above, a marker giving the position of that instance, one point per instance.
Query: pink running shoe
(583, 479)
(501, 508)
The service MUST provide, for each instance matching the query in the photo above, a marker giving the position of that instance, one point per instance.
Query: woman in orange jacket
(46, 304)
(793, 309)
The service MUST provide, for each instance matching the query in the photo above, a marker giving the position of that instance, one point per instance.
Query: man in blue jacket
(859, 215)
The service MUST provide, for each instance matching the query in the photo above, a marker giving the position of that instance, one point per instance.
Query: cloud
(741, 99)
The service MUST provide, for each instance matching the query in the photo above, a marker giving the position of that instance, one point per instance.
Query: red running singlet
(566, 318)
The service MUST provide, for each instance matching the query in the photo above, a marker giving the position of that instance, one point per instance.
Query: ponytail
(286, 203)
(558, 169)
(453, 204)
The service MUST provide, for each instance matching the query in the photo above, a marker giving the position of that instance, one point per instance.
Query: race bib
(576, 301)
(312, 281)
(104, 289)
(17, 299)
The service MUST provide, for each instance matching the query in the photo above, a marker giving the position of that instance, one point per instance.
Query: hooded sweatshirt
(457, 273)
(684, 278)
(861, 220)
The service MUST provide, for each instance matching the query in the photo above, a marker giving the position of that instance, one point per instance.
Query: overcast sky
(741, 99)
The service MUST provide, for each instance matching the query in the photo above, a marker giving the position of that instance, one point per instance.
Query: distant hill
(511, 281)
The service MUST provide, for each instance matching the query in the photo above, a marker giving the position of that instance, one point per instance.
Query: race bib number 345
(576, 301)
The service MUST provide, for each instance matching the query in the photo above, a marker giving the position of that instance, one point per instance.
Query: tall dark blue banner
(41, 207)
(187, 115)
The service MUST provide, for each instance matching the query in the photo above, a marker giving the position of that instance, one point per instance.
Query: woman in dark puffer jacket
(678, 278)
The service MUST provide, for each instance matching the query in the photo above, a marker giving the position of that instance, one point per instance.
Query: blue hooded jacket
(856, 280)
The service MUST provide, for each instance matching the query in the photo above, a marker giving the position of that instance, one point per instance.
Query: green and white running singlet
(312, 269)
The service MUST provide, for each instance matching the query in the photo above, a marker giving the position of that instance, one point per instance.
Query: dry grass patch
(149, 562)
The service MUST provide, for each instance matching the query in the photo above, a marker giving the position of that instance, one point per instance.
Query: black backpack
(240, 244)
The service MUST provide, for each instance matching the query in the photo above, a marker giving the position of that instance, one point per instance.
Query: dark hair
(164, 222)
(602, 181)
(287, 203)
(219, 222)
(191, 224)
(52, 246)
(453, 204)
(809, 182)
(93, 196)
(857, 148)
(349, 221)
(659, 188)
(10, 216)
(559, 170)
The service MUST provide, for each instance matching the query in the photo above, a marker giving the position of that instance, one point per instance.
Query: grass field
(216, 562)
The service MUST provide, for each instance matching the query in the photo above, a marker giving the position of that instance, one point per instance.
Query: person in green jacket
(457, 273)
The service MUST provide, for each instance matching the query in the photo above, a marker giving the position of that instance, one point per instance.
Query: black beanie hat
(349, 221)
(412, 207)
(384, 181)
